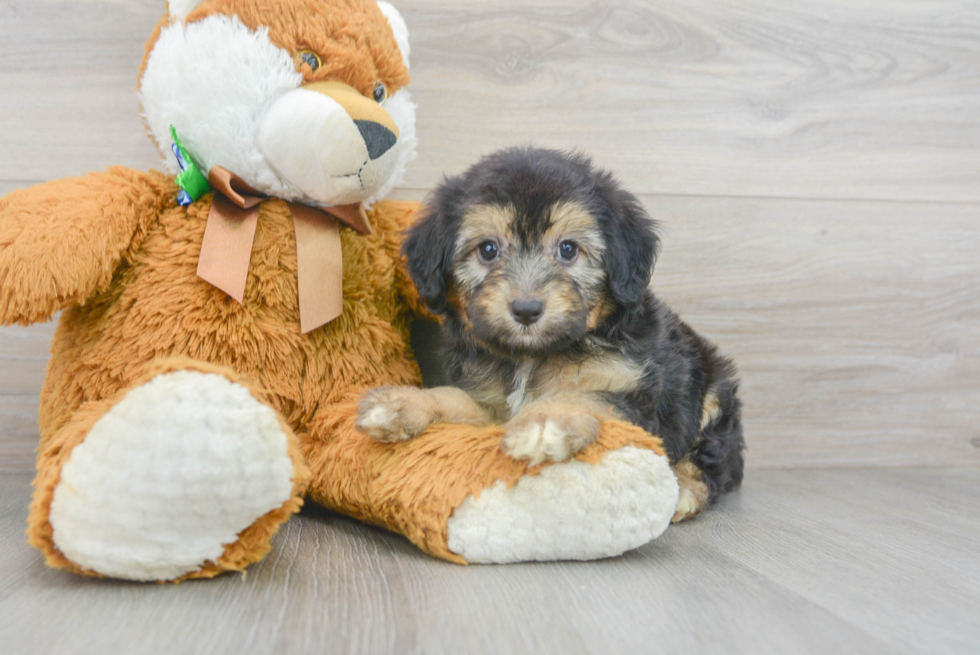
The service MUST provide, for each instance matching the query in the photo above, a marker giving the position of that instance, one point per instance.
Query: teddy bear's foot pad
(170, 476)
(569, 511)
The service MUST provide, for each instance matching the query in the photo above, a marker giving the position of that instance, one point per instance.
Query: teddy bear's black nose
(527, 311)
(378, 138)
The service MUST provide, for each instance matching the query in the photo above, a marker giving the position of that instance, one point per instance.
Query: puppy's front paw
(391, 414)
(538, 436)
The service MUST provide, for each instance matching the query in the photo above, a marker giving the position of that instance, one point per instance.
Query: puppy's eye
(488, 250)
(380, 93)
(310, 58)
(567, 250)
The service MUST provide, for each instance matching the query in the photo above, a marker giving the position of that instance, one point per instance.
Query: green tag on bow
(192, 182)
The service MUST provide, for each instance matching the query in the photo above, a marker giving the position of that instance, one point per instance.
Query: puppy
(541, 265)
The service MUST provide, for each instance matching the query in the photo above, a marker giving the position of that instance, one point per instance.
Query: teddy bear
(220, 320)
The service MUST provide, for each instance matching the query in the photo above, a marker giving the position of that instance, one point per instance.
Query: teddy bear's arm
(61, 241)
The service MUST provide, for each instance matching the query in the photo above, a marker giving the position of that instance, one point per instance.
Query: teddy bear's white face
(235, 100)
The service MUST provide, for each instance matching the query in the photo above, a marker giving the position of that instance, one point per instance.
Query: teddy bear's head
(305, 100)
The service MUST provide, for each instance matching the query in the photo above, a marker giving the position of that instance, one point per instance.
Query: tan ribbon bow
(227, 247)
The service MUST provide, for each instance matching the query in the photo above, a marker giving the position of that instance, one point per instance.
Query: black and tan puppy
(541, 264)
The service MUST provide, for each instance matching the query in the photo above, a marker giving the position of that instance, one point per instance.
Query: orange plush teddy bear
(220, 321)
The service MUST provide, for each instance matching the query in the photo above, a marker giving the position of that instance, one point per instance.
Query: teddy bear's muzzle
(330, 142)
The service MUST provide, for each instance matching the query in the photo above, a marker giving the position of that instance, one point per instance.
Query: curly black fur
(682, 373)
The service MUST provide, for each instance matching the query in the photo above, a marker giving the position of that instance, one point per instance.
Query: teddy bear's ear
(179, 9)
(398, 26)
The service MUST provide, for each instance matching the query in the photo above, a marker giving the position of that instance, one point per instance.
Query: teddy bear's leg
(572, 510)
(456, 495)
(185, 474)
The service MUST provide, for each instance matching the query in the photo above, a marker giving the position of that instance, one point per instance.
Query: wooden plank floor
(859, 561)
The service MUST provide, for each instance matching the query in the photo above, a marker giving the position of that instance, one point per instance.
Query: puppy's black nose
(527, 311)
(378, 138)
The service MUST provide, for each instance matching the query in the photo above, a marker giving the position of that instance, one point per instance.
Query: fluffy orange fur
(134, 307)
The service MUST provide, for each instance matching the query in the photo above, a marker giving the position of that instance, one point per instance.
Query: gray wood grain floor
(859, 561)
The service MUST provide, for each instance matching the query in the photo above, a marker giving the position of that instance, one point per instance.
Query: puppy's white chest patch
(519, 397)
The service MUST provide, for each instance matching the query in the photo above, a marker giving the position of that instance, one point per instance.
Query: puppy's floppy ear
(632, 244)
(431, 242)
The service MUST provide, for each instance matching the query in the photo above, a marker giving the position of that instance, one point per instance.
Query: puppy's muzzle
(527, 311)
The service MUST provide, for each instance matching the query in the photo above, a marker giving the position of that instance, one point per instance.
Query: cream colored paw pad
(537, 442)
(169, 476)
(569, 511)
(381, 423)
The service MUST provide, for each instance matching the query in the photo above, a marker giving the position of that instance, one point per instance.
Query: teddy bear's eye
(380, 93)
(310, 58)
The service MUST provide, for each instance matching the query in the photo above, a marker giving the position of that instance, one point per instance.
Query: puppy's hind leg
(694, 493)
(714, 465)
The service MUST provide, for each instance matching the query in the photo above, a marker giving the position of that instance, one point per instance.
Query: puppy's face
(529, 282)
(531, 249)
